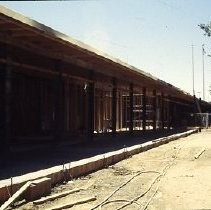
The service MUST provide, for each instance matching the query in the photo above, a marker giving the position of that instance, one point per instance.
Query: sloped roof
(24, 29)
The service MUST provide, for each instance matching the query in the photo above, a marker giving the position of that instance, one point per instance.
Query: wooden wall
(52, 98)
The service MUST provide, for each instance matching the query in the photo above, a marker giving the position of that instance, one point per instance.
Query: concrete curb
(59, 174)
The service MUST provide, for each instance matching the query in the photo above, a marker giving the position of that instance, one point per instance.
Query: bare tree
(206, 28)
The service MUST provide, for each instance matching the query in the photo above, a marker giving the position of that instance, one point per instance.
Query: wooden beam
(56, 196)
(56, 37)
(42, 50)
(73, 203)
(31, 67)
(42, 70)
(18, 33)
(44, 33)
(89, 61)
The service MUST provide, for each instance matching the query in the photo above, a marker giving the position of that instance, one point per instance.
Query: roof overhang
(24, 31)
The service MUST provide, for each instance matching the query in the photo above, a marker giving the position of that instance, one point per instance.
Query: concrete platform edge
(68, 171)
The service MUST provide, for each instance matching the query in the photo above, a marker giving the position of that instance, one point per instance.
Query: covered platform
(55, 89)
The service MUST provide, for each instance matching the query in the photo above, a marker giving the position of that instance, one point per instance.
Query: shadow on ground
(19, 163)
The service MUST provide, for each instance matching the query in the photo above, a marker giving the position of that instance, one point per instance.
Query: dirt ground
(173, 176)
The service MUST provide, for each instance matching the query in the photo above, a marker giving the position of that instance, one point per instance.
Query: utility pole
(193, 69)
(203, 52)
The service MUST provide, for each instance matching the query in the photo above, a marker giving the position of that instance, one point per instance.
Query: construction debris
(31, 190)
(199, 153)
(15, 196)
(55, 196)
(71, 204)
(38, 188)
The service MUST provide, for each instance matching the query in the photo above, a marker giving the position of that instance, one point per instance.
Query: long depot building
(55, 89)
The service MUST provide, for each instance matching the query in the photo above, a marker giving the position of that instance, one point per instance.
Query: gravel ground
(172, 176)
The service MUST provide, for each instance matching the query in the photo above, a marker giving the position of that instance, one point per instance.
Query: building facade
(54, 89)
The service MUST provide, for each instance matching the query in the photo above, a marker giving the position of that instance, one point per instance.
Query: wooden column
(200, 105)
(6, 91)
(59, 103)
(2, 105)
(120, 110)
(194, 104)
(194, 109)
(91, 97)
(114, 106)
(169, 113)
(144, 108)
(162, 111)
(131, 109)
(154, 109)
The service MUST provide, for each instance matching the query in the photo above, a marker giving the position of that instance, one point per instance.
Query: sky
(155, 36)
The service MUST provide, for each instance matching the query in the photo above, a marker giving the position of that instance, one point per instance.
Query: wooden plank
(15, 196)
(55, 196)
(71, 204)
(199, 153)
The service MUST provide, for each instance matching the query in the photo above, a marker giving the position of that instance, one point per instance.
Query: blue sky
(153, 35)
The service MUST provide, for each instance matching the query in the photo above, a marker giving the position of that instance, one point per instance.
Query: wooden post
(6, 91)
(131, 109)
(194, 109)
(144, 108)
(59, 104)
(154, 109)
(172, 115)
(200, 105)
(162, 111)
(120, 110)
(2, 107)
(114, 107)
(91, 97)
(169, 113)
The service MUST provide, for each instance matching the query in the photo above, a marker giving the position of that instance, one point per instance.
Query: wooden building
(53, 88)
